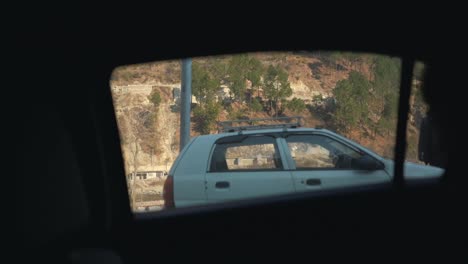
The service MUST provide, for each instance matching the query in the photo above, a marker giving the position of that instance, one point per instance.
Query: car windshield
(261, 124)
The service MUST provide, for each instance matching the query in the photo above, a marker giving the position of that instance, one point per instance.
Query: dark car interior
(74, 207)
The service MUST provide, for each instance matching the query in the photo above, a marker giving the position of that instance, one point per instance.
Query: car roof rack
(259, 123)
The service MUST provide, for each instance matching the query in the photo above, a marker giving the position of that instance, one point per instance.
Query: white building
(144, 175)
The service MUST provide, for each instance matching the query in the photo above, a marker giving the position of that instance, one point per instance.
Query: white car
(263, 162)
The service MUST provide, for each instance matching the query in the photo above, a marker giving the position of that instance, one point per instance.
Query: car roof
(267, 131)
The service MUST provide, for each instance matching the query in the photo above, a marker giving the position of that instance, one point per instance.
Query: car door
(321, 162)
(252, 166)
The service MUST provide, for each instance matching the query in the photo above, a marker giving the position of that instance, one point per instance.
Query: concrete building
(144, 175)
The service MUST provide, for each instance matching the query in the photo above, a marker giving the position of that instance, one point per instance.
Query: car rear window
(253, 153)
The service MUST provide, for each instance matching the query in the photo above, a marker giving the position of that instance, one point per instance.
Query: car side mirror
(366, 162)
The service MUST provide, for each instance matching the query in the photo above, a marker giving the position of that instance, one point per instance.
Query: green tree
(236, 76)
(256, 106)
(296, 105)
(205, 117)
(155, 98)
(204, 87)
(240, 69)
(387, 72)
(276, 86)
(236, 114)
(254, 74)
(152, 117)
(351, 97)
(218, 70)
(389, 113)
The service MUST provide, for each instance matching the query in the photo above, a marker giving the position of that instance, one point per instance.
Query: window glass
(314, 152)
(256, 153)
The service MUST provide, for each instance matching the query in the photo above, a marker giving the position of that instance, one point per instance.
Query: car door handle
(222, 184)
(313, 182)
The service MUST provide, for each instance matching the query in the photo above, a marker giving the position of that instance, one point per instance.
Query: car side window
(320, 152)
(253, 153)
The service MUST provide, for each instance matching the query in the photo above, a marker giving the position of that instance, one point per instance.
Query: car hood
(414, 171)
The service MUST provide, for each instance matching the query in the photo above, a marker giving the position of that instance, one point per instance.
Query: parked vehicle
(247, 163)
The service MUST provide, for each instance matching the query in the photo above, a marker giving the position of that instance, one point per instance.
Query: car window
(253, 153)
(348, 96)
(314, 152)
(343, 149)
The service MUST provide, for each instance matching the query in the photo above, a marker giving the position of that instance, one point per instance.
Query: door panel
(320, 162)
(224, 186)
(309, 180)
(251, 167)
